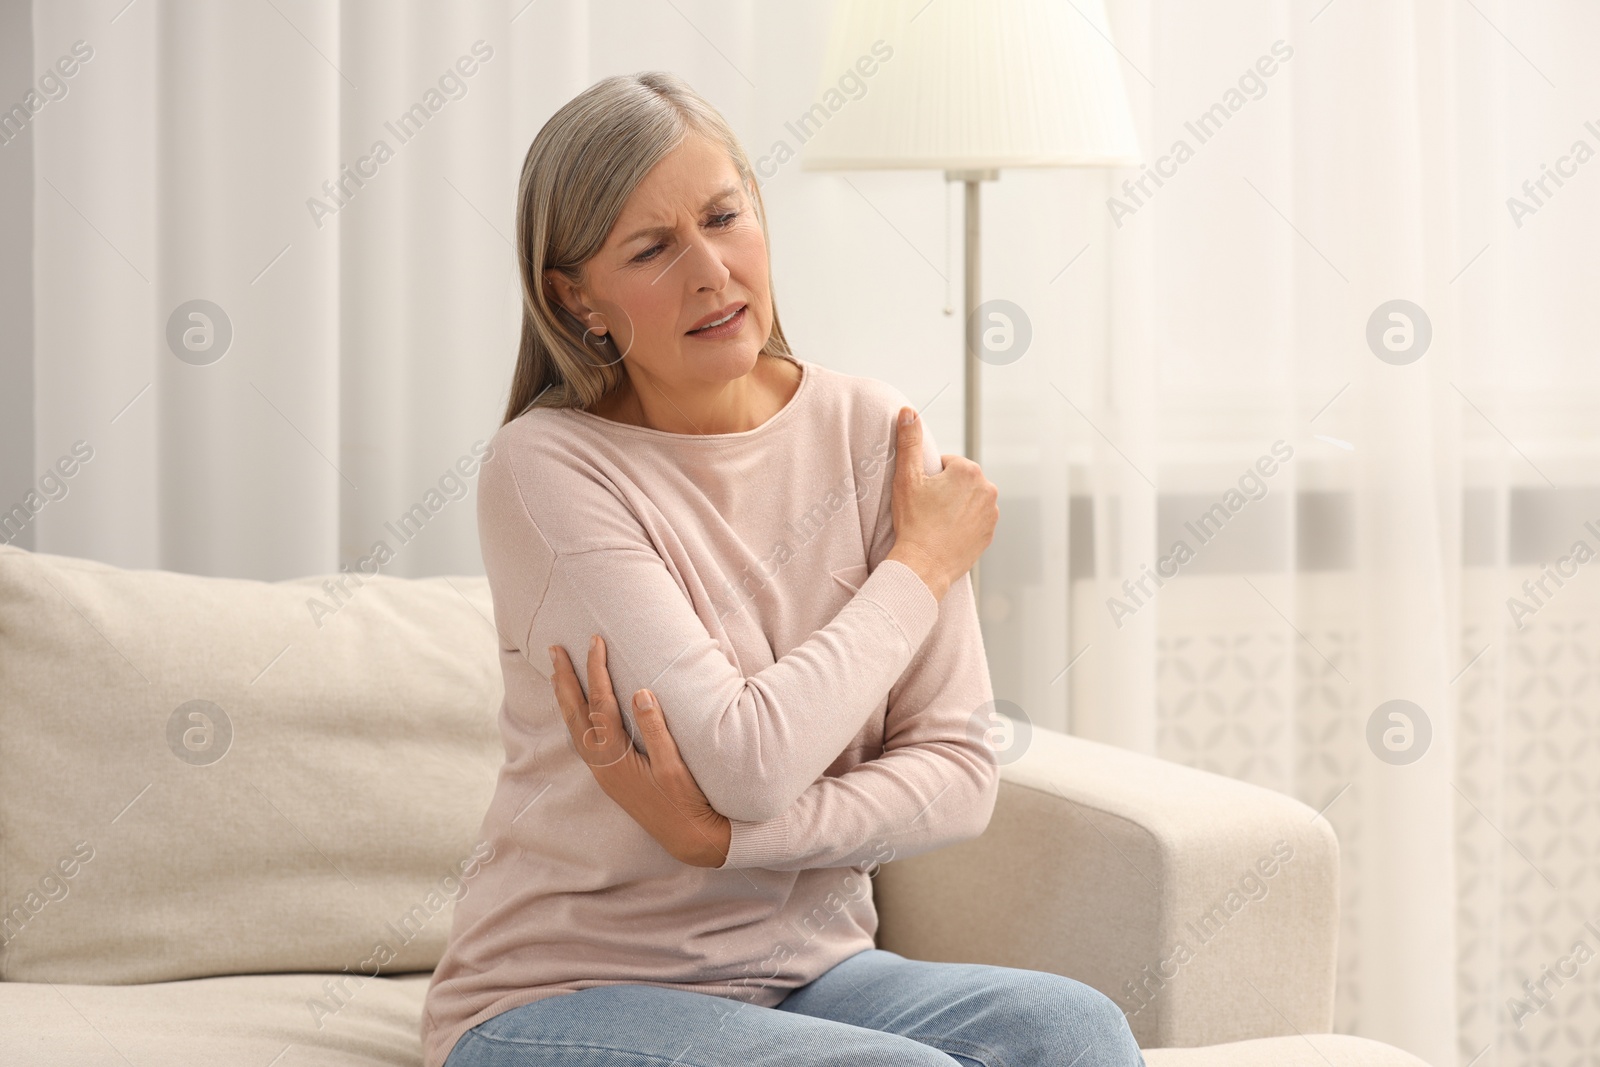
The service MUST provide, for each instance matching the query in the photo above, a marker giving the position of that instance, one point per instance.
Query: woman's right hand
(944, 521)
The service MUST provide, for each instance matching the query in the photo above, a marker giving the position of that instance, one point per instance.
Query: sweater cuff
(754, 844)
(905, 598)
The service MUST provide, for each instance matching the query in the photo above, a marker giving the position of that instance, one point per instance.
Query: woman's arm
(935, 783)
(753, 744)
(874, 813)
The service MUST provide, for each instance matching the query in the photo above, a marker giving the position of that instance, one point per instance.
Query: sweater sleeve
(937, 779)
(752, 743)
(935, 783)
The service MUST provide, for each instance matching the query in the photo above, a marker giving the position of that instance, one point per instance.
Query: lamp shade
(968, 85)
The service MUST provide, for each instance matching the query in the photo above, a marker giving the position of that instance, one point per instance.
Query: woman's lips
(727, 329)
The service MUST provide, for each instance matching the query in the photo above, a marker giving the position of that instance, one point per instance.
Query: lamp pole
(972, 286)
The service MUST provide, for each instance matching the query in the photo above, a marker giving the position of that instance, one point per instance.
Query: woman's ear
(565, 293)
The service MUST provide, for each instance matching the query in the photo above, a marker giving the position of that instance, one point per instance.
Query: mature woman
(773, 566)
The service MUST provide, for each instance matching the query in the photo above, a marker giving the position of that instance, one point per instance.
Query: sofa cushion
(1296, 1050)
(279, 1019)
(208, 776)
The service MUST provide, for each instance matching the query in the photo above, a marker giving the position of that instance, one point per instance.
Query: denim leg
(976, 1013)
(651, 1026)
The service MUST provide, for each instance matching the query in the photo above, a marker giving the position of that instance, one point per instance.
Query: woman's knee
(892, 1052)
(1075, 1024)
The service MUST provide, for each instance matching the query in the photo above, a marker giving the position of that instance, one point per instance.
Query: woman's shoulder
(867, 404)
(540, 470)
(534, 449)
(869, 408)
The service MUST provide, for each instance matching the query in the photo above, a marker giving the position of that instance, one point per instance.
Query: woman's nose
(710, 272)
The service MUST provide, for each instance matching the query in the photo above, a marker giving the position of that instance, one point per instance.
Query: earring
(605, 343)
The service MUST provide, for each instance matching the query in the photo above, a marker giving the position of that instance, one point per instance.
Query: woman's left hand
(658, 790)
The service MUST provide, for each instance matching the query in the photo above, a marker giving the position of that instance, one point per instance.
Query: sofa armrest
(1206, 907)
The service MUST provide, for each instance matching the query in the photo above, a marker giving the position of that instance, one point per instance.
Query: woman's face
(686, 247)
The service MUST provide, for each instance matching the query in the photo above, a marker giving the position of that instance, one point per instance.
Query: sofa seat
(1310, 1050)
(261, 1020)
(265, 1020)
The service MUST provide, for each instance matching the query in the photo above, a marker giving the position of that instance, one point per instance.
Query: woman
(774, 567)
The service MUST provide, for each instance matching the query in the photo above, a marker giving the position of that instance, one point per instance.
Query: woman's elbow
(746, 800)
(741, 782)
(982, 809)
(746, 808)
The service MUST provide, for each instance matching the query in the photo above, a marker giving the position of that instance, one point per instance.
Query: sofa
(235, 816)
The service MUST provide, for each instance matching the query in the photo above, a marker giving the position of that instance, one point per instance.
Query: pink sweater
(826, 703)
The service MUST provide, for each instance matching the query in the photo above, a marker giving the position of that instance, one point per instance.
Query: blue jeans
(876, 1007)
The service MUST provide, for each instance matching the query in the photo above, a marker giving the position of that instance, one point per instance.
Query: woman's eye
(722, 221)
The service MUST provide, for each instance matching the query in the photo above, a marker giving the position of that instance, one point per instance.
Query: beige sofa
(234, 816)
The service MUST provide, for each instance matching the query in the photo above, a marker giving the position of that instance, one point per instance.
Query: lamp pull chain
(949, 309)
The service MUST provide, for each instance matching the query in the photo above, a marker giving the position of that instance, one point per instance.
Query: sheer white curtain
(1178, 336)
(229, 153)
(367, 345)
(1367, 159)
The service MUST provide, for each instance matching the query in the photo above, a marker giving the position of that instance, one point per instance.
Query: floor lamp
(968, 87)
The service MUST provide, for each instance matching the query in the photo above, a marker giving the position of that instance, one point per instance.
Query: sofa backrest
(204, 776)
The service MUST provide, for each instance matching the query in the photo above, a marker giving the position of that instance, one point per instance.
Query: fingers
(666, 764)
(562, 679)
(599, 677)
(653, 725)
(908, 446)
(595, 725)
